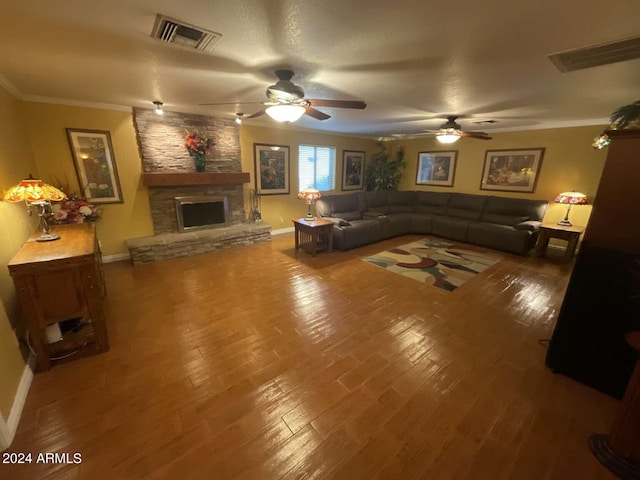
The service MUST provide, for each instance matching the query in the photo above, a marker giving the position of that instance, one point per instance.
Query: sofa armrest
(531, 225)
(337, 221)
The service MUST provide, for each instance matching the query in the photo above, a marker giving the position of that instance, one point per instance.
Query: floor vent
(180, 33)
(597, 55)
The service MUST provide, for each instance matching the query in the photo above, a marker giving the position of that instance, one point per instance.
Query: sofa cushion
(501, 237)
(436, 199)
(510, 220)
(360, 232)
(352, 215)
(376, 199)
(335, 205)
(450, 227)
(514, 207)
(464, 205)
(401, 202)
(401, 198)
(431, 202)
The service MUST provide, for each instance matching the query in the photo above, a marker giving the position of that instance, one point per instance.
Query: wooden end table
(313, 235)
(549, 230)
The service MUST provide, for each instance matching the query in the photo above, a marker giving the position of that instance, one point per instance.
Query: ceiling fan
(450, 132)
(286, 102)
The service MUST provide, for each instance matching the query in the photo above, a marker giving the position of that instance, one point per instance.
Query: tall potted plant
(384, 172)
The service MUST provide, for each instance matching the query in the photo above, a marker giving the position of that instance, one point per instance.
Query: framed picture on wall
(272, 168)
(95, 165)
(436, 168)
(512, 170)
(352, 170)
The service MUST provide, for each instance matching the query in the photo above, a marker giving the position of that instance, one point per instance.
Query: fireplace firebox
(201, 212)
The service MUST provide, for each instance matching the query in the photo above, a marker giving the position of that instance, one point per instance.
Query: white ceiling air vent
(180, 33)
(597, 55)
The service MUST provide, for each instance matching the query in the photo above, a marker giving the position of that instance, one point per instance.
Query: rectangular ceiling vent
(597, 55)
(180, 33)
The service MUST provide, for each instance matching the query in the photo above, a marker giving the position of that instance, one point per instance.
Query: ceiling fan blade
(317, 114)
(226, 103)
(257, 114)
(337, 103)
(478, 135)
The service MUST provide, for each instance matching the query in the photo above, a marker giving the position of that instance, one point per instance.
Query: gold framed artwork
(272, 168)
(95, 165)
(436, 168)
(353, 169)
(515, 170)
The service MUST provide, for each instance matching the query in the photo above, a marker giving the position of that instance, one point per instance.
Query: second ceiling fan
(450, 132)
(286, 102)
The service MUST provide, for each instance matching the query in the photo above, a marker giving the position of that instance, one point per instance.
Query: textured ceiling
(412, 62)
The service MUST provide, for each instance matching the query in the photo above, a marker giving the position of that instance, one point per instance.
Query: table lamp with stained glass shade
(39, 195)
(310, 195)
(570, 198)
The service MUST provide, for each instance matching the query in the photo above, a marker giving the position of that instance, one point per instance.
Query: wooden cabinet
(62, 281)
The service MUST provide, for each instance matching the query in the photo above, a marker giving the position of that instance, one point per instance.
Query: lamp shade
(572, 198)
(309, 194)
(33, 190)
(285, 113)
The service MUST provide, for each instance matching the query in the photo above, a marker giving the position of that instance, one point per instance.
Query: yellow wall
(47, 123)
(569, 163)
(16, 162)
(278, 210)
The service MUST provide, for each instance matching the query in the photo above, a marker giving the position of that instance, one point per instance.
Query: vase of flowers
(74, 209)
(198, 145)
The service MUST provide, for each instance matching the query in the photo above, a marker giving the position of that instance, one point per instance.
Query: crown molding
(76, 103)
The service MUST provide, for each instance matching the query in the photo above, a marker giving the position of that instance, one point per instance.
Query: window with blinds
(316, 167)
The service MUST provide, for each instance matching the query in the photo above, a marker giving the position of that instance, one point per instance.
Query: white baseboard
(8, 428)
(115, 258)
(280, 231)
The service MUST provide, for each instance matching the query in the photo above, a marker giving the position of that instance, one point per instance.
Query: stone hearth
(174, 245)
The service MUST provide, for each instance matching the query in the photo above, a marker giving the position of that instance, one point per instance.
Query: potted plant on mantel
(627, 116)
(384, 173)
(198, 144)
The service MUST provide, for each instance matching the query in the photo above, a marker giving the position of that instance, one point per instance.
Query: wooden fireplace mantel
(161, 179)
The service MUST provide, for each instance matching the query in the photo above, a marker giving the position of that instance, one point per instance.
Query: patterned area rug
(435, 262)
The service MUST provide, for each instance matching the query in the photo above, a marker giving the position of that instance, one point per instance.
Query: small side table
(313, 235)
(549, 230)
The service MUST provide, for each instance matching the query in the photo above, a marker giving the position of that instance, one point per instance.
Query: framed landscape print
(436, 168)
(352, 170)
(95, 165)
(272, 168)
(512, 170)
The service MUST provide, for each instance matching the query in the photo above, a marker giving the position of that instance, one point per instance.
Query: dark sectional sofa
(508, 224)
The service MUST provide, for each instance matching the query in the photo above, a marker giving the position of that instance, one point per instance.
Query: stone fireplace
(169, 174)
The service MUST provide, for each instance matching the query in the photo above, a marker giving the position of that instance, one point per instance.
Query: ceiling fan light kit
(286, 102)
(450, 132)
(285, 113)
(448, 137)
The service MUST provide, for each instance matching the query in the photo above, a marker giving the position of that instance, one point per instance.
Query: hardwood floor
(252, 363)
